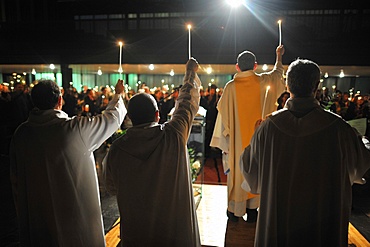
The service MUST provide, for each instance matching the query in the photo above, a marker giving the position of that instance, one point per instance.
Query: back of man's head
(246, 61)
(141, 109)
(303, 78)
(45, 94)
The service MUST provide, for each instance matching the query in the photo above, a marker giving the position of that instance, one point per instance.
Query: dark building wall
(72, 31)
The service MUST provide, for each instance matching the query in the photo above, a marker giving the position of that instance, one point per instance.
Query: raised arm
(94, 131)
(187, 104)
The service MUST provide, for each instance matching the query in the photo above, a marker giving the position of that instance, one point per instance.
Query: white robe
(54, 177)
(148, 170)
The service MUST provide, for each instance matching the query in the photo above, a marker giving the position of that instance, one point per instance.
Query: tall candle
(189, 28)
(120, 57)
(279, 22)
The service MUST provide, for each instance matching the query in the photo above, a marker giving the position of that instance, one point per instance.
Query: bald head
(142, 109)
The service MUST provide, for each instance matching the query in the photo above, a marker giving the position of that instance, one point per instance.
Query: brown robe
(303, 161)
(148, 170)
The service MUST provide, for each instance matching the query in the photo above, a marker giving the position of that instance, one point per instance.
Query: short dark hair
(303, 77)
(246, 60)
(45, 94)
(141, 108)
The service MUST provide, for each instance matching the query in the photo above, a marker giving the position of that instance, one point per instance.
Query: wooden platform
(214, 228)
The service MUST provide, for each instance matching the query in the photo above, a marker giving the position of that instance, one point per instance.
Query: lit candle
(279, 22)
(189, 28)
(120, 70)
(264, 102)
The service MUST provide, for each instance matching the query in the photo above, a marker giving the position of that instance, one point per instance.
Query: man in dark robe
(305, 190)
(148, 170)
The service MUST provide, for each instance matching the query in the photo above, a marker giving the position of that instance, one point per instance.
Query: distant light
(99, 71)
(172, 85)
(70, 83)
(265, 67)
(33, 72)
(162, 81)
(209, 70)
(358, 92)
(24, 73)
(172, 73)
(326, 75)
(212, 80)
(333, 87)
(52, 66)
(209, 84)
(151, 66)
(139, 82)
(341, 75)
(234, 3)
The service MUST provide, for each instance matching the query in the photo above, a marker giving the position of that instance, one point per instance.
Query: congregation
(16, 105)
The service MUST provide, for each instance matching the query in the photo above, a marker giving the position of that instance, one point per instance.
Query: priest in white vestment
(242, 103)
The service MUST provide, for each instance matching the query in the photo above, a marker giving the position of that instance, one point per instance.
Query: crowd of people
(47, 125)
(343, 104)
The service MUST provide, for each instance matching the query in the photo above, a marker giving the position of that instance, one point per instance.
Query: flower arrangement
(195, 164)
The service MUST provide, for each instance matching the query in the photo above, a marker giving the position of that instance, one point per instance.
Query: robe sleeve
(221, 132)
(249, 163)
(361, 159)
(94, 131)
(186, 107)
(220, 138)
(249, 169)
(108, 175)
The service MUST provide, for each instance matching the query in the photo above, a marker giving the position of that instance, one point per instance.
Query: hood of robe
(144, 139)
(302, 114)
(39, 117)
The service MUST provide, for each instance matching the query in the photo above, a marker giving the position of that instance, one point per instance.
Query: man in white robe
(243, 101)
(302, 161)
(148, 170)
(53, 170)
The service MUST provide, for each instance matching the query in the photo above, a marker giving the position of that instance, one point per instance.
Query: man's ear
(59, 104)
(255, 66)
(157, 117)
(237, 67)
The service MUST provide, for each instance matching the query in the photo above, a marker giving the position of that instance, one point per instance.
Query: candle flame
(279, 21)
(267, 88)
(120, 43)
(189, 26)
